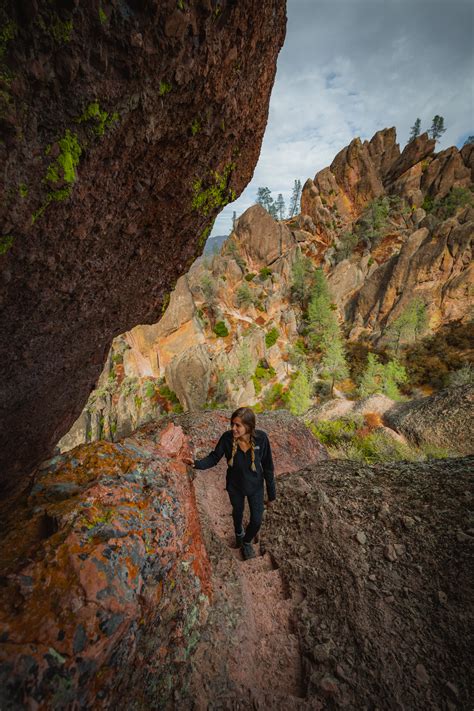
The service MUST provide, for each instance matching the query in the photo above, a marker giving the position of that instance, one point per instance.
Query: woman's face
(238, 428)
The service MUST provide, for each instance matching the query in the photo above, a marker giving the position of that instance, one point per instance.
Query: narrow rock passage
(248, 652)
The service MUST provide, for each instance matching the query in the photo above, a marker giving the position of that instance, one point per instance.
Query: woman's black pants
(256, 513)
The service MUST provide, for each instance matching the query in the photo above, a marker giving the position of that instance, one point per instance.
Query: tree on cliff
(299, 396)
(322, 320)
(241, 373)
(301, 280)
(410, 325)
(373, 221)
(295, 199)
(437, 127)
(280, 206)
(380, 378)
(333, 364)
(264, 198)
(415, 130)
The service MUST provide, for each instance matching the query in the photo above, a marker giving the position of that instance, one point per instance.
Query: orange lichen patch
(346, 386)
(119, 373)
(121, 550)
(390, 245)
(373, 420)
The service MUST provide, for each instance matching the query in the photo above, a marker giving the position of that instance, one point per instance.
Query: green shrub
(446, 207)
(332, 433)
(263, 371)
(265, 272)
(345, 440)
(271, 337)
(273, 396)
(250, 276)
(463, 376)
(168, 394)
(150, 388)
(220, 329)
(244, 295)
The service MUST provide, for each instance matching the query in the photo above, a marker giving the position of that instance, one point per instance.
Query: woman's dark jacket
(240, 476)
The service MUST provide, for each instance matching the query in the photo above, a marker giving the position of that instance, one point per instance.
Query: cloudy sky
(351, 67)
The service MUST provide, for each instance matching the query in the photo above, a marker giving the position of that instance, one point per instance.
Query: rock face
(445, 419)
(379, 559)
(107, 581)
(259, 239)
(114, 120)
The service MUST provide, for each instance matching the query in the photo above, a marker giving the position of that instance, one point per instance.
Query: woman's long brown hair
(248, 419)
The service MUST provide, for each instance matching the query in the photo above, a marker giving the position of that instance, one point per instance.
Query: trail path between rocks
(248, 653)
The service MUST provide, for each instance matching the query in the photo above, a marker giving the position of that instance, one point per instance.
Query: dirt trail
(249, 652)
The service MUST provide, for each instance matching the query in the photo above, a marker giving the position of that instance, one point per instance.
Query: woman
(249, 462)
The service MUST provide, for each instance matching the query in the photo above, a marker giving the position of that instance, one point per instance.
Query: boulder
(331, 410)
(188, 375)
(444, 420)
(260, 239)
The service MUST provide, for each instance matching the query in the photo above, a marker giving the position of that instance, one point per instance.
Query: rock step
(278, 663)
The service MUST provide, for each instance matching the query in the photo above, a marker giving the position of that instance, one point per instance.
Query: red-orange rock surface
(105, 580)
(124, 129)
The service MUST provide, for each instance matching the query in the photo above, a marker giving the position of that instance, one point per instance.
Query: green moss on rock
(6, 242)
(101, 119)
(216, 196)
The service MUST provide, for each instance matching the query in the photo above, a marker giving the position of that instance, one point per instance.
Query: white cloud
(352, 67)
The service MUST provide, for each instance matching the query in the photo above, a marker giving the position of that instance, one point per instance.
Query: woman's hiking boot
(239, 539)
(247, 551)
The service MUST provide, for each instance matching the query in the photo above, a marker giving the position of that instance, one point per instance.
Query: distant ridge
(214, 243)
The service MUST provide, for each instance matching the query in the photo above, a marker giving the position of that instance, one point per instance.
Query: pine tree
(415, 130)
(410, 324)
(323, 324)
(299, 396)
(234, 219)
(264, 198)
(437, 127)
(334, 364)
(371, 380)
(379, 378)
(280, 206)
(272, 209)
(295, 199)
(394, 374)
(301, 280)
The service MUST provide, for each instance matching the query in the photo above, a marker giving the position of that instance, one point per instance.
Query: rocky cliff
(389, 228)
(115, 118)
